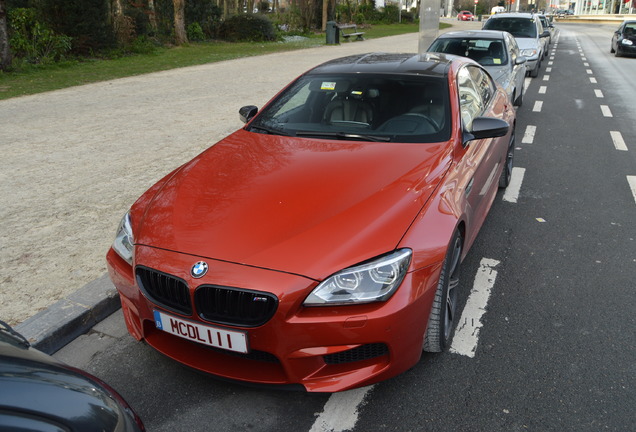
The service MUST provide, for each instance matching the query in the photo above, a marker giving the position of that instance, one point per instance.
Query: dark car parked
(40, 393)
(624, 39)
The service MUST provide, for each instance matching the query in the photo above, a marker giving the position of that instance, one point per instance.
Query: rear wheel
(442, 319)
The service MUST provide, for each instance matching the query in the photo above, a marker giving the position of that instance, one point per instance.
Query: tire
(519, 99)
(442, 319)
(618, 53)
(506, 174)
(535, 72)
(612, 48)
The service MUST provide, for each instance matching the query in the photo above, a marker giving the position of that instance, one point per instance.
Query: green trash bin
(333, 36)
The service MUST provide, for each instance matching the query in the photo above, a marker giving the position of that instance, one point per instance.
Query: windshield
(487, 52)
(518, 27)
(366, 107)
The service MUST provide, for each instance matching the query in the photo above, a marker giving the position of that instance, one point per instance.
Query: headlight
(627, 42)
(529, 52)
(374, 281)
(123, 243)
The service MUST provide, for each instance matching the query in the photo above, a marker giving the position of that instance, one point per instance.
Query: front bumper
(323, 349)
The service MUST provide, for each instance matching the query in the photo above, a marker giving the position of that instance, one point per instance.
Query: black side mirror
(546, 33)
(486, 127)
(247, 113)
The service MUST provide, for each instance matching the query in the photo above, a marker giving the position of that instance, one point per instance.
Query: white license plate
(207, 335)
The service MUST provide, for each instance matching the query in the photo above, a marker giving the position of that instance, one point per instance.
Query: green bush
(195, 32)
(32, 40)
(247, 28)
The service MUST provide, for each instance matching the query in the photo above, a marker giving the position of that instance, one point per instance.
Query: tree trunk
(181, 36)
(152, 15)
(325, 8)
(5, 52)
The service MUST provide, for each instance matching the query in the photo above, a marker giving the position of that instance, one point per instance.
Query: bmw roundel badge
(199, 269)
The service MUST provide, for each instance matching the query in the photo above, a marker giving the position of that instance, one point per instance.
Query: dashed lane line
(617, 139)
(606, 111)
(593, 80)
(538, 105)
(543, 89)
(514, 188)
(632, 185)
(528, 136)
(598, 93)
(469, 325)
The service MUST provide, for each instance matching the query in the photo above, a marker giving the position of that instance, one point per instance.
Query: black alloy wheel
(442, 319)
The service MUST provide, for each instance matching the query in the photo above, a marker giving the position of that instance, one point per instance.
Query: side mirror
(247, 113)
(486, 127)
(521, 60)
(546, 33)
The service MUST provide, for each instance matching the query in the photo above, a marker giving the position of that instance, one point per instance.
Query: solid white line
(514, 188)
(526, 83)
(468, 327)
(528, 136)
(537, 106)
(341, 411)
(606, 111)
(543, 89)
(632, 185)
(593, 80)
(598, 93)
(619, 142)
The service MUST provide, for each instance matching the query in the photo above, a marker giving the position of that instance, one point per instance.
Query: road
(554, 267)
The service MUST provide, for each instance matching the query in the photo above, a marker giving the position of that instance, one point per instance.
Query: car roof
(512, 15)
(430, 64)
(485, 34)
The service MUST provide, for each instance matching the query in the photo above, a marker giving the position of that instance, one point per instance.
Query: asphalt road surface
(548, 341)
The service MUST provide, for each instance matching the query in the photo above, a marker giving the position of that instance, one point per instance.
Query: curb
(56, 326)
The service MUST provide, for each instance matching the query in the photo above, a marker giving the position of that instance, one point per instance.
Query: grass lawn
(40, 78)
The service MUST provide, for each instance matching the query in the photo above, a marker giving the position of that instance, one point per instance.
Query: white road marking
(548, 69)
(589, 71)
(598, 93)
(537, 106)
(550, 63)
(341, 411)
(593, 80)
(528, 136)
(606, 111)
(526, 83)
(632, 185)
(546, 77)
(583, 58)
(514, 188)
(586, 64)
(467, 333)
(543, 89)
(619, 142)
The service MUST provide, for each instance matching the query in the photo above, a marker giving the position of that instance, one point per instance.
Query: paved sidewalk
(76, 159)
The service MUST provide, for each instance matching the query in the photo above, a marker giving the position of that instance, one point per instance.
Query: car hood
(527, 43)
(303, 206)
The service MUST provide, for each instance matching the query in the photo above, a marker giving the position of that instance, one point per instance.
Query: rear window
(486, 52)
(518, 27)
(366, 107)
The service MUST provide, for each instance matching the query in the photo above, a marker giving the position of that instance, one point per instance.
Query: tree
(5, 52)
(181, 37)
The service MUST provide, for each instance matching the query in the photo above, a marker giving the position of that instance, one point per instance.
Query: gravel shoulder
(74, 160)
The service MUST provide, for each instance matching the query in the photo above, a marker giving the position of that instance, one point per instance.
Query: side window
(470, 102)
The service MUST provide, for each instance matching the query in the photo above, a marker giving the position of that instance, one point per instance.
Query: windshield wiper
(269, 130)
(343, 135)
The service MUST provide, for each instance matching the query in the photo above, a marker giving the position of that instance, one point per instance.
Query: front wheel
(506, 174)
(442, 319)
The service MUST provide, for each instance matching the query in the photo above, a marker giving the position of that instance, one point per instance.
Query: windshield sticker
(496, 61)
(356, 93)
(328, 86)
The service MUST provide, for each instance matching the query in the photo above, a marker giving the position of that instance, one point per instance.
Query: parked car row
(510, 46)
